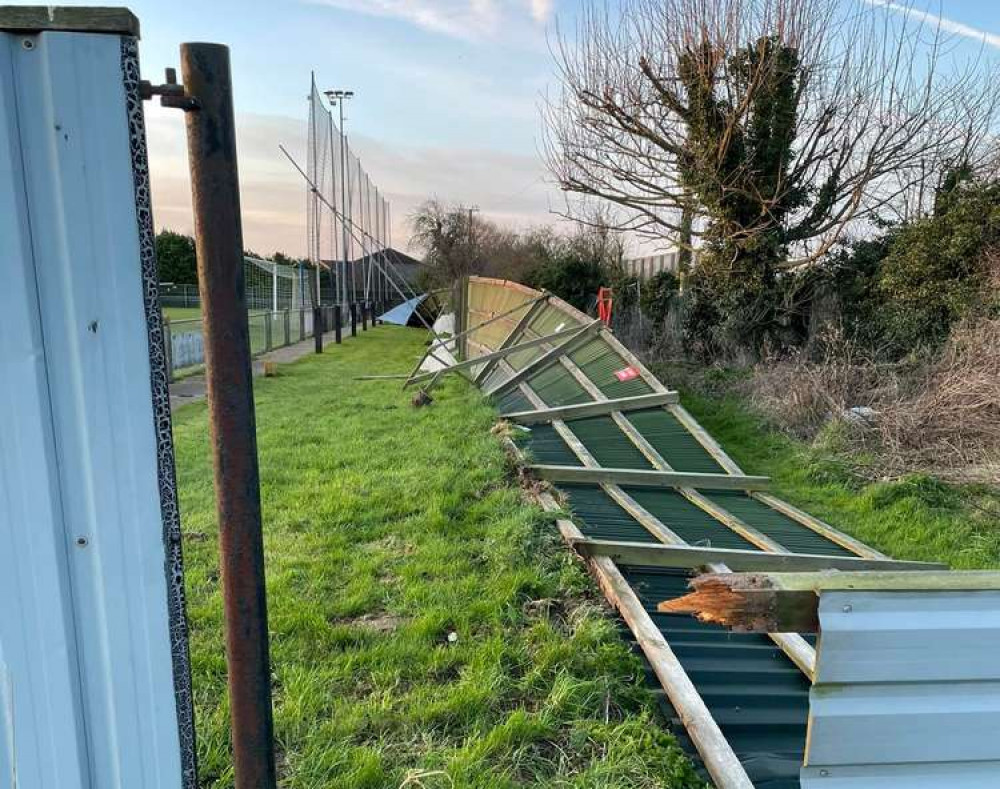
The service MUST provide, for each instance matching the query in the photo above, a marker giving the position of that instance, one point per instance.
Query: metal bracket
(171, 93)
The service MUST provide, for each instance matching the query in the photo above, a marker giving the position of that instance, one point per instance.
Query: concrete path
(192, 388)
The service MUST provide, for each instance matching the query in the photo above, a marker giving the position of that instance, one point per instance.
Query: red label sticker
(626, 374)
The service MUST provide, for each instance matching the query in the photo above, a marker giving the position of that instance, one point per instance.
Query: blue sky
(447, 98)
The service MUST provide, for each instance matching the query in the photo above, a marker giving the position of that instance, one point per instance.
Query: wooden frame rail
(598, 408)
(688, 556)
(650, 479)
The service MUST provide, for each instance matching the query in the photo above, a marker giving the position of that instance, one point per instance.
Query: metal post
(354, 319)
(338, 320)
(364, 316)
(215, 192)
(318, 329)
(168, 348)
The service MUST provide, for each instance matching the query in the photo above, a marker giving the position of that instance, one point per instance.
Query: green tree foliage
(936, 269)
(176, 259)
(572, 277)
(659, 293)
(745, 192)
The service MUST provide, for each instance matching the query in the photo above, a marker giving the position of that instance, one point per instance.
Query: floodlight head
(337, 95)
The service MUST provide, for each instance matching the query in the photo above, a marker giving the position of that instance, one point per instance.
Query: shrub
(936, 269)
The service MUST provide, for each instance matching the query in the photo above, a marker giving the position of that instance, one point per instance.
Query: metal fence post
(168, 348)
(354, 319)
(364, 316)
(318, 329)
(302, 324)
(338, 320)
(268, 339)
(215, 192)
(287, 320)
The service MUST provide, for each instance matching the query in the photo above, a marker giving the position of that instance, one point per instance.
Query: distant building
(645, 267)
(403, 267)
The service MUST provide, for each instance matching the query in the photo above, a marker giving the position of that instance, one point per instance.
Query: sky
(447, 99)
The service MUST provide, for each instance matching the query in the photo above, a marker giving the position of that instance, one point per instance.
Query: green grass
(387, 530)
(916, 518)
(182, 313)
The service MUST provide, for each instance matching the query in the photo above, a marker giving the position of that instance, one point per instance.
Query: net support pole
(211, 136)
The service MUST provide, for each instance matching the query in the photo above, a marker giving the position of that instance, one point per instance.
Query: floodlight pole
(340, 96)
(211, 137)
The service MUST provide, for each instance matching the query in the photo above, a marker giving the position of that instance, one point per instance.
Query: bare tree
(759, 128)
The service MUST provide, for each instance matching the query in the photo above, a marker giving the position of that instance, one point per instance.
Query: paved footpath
(192, 388)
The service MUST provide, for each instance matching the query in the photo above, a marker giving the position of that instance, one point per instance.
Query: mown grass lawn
(917, 518)
(428, 629)
(182, 313)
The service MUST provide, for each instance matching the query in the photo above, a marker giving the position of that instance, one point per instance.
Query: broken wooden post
(789, 602)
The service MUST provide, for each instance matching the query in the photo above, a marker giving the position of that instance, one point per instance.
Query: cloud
(541, 10)
(471, 20)
(509, 188)
(945, 24)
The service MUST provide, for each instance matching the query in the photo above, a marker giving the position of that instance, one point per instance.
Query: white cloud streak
(541, 10)
(470, 20)
(934, 20)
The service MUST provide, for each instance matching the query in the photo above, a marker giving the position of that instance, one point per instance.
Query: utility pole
(339, 97)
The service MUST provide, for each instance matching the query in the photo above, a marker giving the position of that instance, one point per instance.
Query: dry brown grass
(940, 415)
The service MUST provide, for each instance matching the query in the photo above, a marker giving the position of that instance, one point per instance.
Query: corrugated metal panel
(486, 301)
(757, 696)
(673, 441)
(86, 678)
(607, 443)
(687, 520)
(907, 691)
(513, 401)
(548, 320)
(600, 517)
(599, 362)
(556, 387)
(521, 358)
(791, 534)
(547, 446)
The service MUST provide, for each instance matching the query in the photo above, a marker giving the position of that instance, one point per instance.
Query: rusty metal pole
(219, 241)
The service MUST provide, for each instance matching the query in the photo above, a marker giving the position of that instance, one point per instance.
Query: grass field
(916, 518)
(428, 628)
(182, 313)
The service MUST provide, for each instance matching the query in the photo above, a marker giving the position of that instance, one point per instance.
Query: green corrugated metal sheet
(673, 441)
(522, 358)
(599, 362)
(557, 387)
(791, 534)
(547, 446)
(689, 521)
(757, 696)
(549, 320)
(512, 402)
(607, 443)
(598, 516)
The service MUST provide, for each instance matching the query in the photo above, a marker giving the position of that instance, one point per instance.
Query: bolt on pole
(219, 241)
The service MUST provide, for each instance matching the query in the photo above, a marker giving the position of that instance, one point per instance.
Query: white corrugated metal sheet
(907, 691)
(86, 683)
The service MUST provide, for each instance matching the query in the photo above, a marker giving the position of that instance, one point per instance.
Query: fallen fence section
(653, 496)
